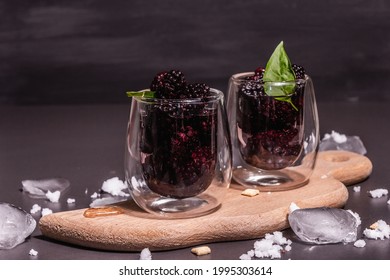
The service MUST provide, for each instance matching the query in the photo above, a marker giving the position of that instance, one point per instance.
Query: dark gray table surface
(85, 144)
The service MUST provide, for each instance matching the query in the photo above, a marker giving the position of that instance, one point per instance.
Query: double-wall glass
(274, 138)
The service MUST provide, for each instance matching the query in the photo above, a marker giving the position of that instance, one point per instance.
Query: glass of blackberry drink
(178, 156)
(274, 125)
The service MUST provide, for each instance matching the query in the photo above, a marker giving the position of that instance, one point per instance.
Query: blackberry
(259, 72)
(168, 85)
(299, 71)
(257, 76)
(183, 164)
(197, 90)
(253, 89)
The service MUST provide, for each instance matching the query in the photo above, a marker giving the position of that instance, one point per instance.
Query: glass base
(174, 208)
(269, 180)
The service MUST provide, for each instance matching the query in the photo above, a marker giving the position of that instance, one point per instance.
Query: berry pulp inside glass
(178, 148)
(269, 131)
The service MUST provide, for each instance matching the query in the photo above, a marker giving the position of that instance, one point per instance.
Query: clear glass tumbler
(274, 138)
(178, 155)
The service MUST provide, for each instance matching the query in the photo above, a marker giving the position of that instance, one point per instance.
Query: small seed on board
(200, 251)
(250, 192)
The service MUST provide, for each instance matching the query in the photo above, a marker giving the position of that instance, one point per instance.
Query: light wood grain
(240, 217)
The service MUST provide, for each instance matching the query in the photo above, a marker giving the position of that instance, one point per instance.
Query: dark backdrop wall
(92, 51)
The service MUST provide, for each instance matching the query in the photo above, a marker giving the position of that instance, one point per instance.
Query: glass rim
(241, 77)
(215, 96)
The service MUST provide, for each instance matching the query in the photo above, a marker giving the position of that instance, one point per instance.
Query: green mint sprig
(279, 69)
(141, 93)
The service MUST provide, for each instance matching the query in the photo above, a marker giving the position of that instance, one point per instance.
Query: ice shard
(39, 188)
(337, 141)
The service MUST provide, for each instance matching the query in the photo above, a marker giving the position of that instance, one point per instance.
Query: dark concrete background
(92, 51)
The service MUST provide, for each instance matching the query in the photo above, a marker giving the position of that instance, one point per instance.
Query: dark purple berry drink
(178, 135)
(270, 130)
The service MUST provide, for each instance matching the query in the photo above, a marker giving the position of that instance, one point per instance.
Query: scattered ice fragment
(380, 231)
(251, 253)
(94, 195)
(33, 252)
(46, 211)
(70, 200)
(245, 257)
(15, 225)
(388, 202)
(35, 209)
(39, 188)
(378, 193)
(86, 191)
(145, 254)
(106, 200)
(356, 189)
(270, 246)
(115, 187)
(324, 176)
(324, 225)
(53, 196)
(359, 243)
(337, 141)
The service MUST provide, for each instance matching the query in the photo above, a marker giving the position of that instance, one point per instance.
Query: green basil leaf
(279, 69)
(141, 93)
(287, 99)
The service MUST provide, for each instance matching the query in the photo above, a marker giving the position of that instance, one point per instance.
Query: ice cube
(39, 188)
(323, 225)
(337, 141)
(15, 225)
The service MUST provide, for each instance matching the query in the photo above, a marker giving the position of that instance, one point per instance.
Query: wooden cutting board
(239, 217)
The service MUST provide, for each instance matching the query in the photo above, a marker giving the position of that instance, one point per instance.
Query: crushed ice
(114, 187)
(324, 225)
(377, 193)
(71, 200)
(39, 188)
(53, 196)
(35, 209)
(379, 230)
(271, 246)
(15, 225)
(145, 254)
(46, 211)
(359, 243)
(33, 253)
(337, 141)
